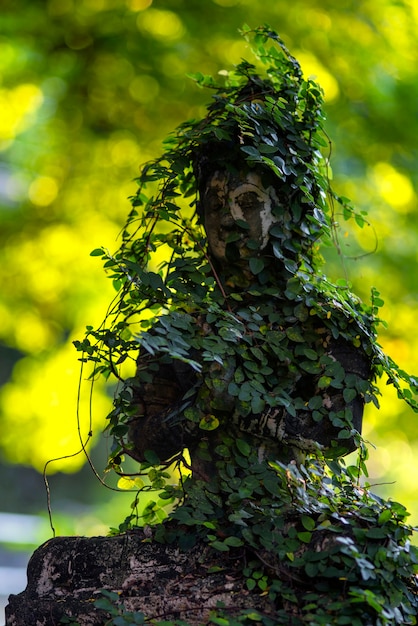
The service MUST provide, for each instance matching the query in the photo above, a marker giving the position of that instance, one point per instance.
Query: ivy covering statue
(249, 358)
(251, 369)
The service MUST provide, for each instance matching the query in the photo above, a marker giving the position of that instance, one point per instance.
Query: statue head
(237, 215)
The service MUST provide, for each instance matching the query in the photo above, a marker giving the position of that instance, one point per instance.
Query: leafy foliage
(166, 279)
(317, 544)
(323, 548)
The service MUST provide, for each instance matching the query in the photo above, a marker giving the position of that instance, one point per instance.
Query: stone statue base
(66, 576)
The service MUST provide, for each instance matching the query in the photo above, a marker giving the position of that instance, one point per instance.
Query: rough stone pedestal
(66, 574)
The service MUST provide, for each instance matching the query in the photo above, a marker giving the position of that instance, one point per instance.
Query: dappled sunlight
(229, 50)
(48, 410)
(390, 230)
(124, 150)
(312, 68)
(43, 190)
(18, 106)
(161, 24)
(144, 88)
(32, 333)
(138, 5)
(49, 265)
(399, 28)
(386, 419)
(414, 7)
(394, 187)
(392, 457)
(173, 66)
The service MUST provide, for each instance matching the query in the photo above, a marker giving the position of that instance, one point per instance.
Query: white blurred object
(18, 528)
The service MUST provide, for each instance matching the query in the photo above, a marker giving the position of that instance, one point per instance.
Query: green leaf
(349, 394)
(310, 367)
(97, 252)
(315, 403)
(219, 621)
(266, 149)
(307, 522)
(242, 224)
(256, 265)
(259, 354)
(220, 545)
(233, 389)
(385, 516)
(310, 354)
(243, 447)
(209, 422)
(324, 382)
(257, 404)
(233, 542)
(376, 533)
(294, 334)
(311, 569)
(251, 584)
(252, 152)
(272, 485)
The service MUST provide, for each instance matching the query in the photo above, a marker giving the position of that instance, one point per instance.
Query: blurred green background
(88, 91)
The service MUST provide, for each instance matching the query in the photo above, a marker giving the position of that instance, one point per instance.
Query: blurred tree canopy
(88, 91)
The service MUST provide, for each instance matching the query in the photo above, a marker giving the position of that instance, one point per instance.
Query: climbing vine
(254, 340)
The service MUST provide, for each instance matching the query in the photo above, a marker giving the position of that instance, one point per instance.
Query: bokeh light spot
(31, 334)
(161, 24)
(144, 88)
(43, 190)
(172, 65)
(395, 188)
(16, 106)
(124, 152)
(138, 5)
(94, 6)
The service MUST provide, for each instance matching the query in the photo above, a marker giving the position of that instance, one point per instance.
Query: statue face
(238, 212)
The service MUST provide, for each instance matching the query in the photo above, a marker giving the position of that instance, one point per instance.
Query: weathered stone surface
(66, 574)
